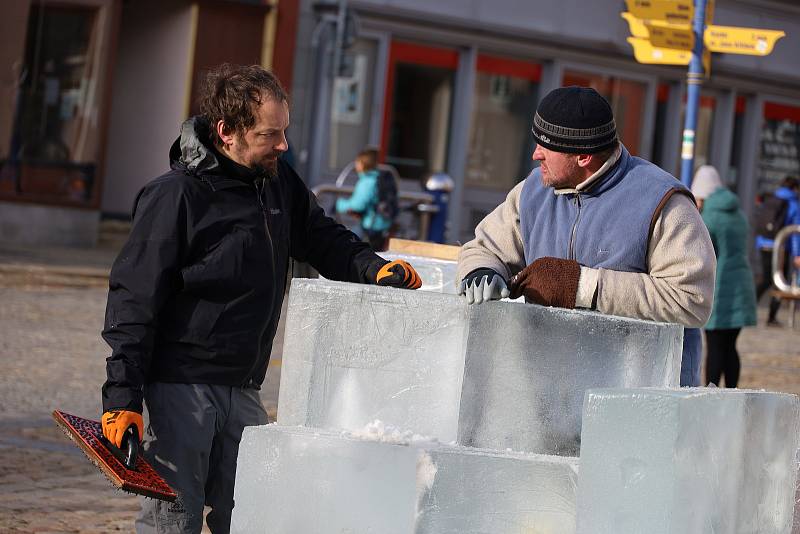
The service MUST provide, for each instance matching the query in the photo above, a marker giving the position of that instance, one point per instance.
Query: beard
(266, 168)
(266, 165)
(269, 167)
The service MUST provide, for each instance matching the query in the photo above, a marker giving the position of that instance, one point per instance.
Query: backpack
(770, 216)
(387, 205)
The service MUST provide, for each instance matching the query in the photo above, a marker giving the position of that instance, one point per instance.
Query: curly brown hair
(232, 93)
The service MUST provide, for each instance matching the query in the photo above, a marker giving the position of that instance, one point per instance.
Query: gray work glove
(483, 285)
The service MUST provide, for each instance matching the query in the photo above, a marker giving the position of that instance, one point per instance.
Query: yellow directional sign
(645, 52)
(732, 40)
(661, 34)
(666, 37)
(637, 26)
(673, 11)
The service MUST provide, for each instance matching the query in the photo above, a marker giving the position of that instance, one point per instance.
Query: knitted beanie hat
(576, 120)
(706, 181)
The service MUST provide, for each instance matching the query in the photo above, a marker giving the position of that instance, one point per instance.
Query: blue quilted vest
(608, 225)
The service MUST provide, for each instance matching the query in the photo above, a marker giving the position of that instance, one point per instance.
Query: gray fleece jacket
(678, 287)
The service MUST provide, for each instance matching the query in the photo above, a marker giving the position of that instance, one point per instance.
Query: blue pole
(694, 79)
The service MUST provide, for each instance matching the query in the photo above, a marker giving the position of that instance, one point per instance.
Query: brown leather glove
(548, 281)
(116, 422)
(398, 273)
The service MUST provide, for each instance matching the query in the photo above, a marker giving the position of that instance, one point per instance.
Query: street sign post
(680, 32)
(694, 79)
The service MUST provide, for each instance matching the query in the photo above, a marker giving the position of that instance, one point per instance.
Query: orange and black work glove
(398, 273)
(548, 281)
(116, 422)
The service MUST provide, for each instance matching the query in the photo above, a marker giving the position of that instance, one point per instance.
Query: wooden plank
(424, 248)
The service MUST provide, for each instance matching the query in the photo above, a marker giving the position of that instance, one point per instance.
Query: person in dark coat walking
(734, 292)
(195, 293)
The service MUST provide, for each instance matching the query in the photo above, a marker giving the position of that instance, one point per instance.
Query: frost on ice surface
(379, 431)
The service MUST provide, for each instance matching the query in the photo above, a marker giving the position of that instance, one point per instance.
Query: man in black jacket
(195, 294)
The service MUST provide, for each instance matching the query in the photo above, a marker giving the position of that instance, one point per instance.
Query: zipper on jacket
(259, 195)
(574, 227)
(248, 381)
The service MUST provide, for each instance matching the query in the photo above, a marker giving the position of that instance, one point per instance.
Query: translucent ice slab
(528, 366)
(437, 275)
(498, 375)
(699, 460)
(355, 353)
(294, 479)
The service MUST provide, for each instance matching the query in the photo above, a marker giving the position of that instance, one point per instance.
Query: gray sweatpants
(192, 439)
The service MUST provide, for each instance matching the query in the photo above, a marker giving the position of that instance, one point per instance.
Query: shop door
(500, 140)
(419, 95)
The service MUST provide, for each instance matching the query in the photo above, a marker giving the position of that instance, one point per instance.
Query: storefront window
(420, 98)
(500, 142)
(351, 108)
(54, 132)
(662, 102)
(627, 101)
(780, 145)
(732, 180)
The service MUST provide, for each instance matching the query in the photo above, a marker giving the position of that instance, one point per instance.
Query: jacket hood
(193, 153)
(190, 151)
(706, 181)
(722, 200)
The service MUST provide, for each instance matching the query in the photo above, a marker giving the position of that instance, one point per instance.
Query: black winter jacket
(195, 294)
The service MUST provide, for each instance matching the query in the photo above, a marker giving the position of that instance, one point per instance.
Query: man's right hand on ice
(398, 273)
(116, 422)
(482, 285)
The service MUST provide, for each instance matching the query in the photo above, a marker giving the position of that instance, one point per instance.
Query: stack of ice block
(501, 375)
(493, 379)
(437, 275)
(322, 481)
(693, 460)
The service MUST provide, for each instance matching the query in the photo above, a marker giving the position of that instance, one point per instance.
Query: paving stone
(52, 356)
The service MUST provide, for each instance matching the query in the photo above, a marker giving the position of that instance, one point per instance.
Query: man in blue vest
(594, 227)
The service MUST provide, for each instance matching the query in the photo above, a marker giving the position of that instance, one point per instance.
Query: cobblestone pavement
(51, 356)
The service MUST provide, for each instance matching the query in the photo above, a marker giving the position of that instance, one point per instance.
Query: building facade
(93, 92)
(451, 86)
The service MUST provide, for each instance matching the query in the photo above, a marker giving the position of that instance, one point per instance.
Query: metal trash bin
(439, 185)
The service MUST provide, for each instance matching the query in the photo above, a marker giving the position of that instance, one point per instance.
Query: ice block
(295, 479)
(527, 368)
(355, 353)
(437, 275)
(700, 460)
(498, 375)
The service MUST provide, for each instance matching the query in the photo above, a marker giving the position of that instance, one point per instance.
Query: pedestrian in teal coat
(364, 201)
(734, 292)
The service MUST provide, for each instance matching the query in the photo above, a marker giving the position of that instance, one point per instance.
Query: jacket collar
(193, 154)
(602, 176)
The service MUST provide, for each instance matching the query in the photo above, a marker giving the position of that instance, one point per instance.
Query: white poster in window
(348, 93)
